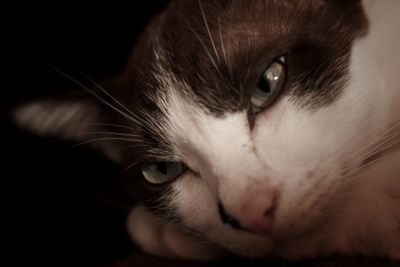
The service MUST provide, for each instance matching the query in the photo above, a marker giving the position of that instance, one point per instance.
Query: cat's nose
(254, 213)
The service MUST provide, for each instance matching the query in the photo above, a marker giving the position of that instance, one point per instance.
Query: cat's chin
(263, 247)
(282, 242)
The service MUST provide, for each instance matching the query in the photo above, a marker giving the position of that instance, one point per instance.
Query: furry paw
(164, 239)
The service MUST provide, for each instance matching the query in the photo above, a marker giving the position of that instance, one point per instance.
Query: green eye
(162, 171)
(269, 86)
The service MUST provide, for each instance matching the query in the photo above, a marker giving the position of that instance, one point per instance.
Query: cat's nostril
(257, 211)
(226, 218)
(270, 212)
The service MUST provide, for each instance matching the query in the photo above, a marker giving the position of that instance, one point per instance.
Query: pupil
(162, 167)
(263, 85)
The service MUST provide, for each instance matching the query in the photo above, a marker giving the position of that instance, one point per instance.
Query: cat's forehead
(221, 48)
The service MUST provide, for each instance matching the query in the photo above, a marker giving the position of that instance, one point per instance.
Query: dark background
(63, 207)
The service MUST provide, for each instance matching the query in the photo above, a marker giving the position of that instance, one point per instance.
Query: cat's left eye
(269, 86)
(162, 172)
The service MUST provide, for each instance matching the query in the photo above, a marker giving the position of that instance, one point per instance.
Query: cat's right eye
(162, 172)
(269, 86)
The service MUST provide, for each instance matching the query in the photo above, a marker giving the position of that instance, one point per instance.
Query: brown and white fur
(325, 157)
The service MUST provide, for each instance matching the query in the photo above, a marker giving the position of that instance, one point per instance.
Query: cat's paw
(164, 239)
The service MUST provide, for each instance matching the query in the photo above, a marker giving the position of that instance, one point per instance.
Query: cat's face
(256, 177)
(246, 118)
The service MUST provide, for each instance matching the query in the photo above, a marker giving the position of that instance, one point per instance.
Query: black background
(63, 207)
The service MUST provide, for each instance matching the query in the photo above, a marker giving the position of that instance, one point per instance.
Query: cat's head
(240, 120)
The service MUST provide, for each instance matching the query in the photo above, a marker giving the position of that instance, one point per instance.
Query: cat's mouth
(264, 228)
(277, 236)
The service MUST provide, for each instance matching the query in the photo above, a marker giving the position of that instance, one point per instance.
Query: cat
(262, 128)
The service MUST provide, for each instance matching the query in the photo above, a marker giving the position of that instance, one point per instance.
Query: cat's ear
(71, 119)
(53, 117)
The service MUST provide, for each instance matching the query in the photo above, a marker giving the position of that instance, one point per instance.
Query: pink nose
(255, 212)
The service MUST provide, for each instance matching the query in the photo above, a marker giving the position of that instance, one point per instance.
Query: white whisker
(381, 144)
(110, 96)
(114, 125)
(227, 62)
(208, 30)
(102, 133)
(375, 135)
(222, 42)
(392, 142)
(207, 51)
(124, 114)
(132, 165)
(103, 139)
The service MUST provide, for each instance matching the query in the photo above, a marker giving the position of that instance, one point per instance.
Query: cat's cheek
(193, 199)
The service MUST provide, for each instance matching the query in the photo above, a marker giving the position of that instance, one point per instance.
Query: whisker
(109, 134)
(102, 139)
(208, 30)
(363, 167)
(143, 143)
(227, 61)
(382, 148)
(206, 50)
(363, 152)
(222, 41)
(132, 165)
(124, 114)
(375, 135)
(102, 133)
(382, 137)
(359, 171)
(110, 96)
(113, 125)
